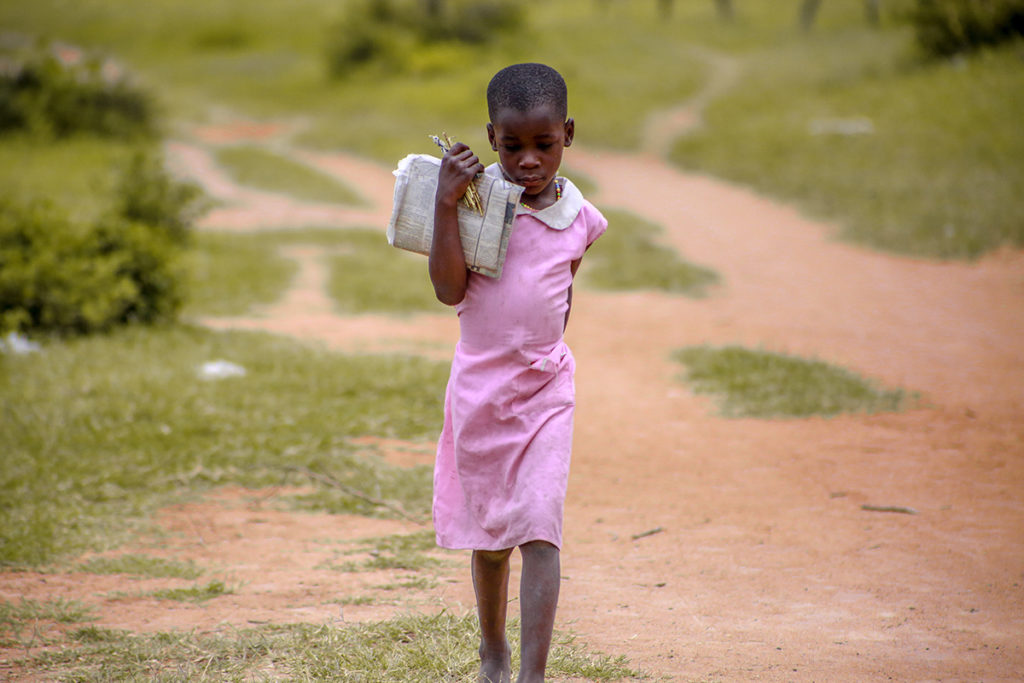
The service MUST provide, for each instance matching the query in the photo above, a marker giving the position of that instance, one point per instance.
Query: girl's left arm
(574, 266)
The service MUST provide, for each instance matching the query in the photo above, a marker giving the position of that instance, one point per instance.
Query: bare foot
(496, 667)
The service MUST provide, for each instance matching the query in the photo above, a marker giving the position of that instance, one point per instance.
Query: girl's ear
(490, 137)
(570, 131)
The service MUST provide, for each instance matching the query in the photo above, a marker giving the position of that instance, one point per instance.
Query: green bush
(64, 277)
(394, 33)
(60, 90)
(56, 276)
(946, 27)
(146, 194)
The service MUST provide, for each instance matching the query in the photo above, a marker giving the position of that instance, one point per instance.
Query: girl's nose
(529, 161)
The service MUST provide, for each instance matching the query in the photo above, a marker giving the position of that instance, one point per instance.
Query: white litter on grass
(220, 369)
(858, 125)
(18, 344)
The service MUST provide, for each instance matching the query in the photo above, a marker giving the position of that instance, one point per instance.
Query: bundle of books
(484, 234)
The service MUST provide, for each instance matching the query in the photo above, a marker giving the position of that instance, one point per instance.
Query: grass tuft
(761, 384)
(26, 614)
(196, 593)
(407, 552)
(142, 566)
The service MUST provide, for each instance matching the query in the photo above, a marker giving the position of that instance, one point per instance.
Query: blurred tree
(871, 11)
(665, 8)
(809, 11)
(433, 7)
(724, 9)
(946, 27)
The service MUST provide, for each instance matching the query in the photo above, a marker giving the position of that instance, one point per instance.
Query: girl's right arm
(447, 262)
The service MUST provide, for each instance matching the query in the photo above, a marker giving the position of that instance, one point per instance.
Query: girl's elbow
(450, 296)
(449, 287)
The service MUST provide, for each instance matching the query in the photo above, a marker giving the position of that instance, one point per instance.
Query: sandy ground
(760, 563)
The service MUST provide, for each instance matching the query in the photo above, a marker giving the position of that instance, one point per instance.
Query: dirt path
(764, 565)
(662, 127)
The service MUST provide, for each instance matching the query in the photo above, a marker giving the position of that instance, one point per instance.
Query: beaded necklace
(558, 195)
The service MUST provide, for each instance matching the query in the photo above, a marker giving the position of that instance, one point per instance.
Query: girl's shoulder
(595, 222)
(589, 215)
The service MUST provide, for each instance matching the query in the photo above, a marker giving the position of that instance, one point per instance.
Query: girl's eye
(544, 145)
(511, 148)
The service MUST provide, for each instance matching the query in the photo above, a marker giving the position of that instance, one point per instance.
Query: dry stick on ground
(356, 493)
(889, 508)
(649, 532)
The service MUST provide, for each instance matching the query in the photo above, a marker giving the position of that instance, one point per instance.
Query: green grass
(412, 647)
(760, 384)
(938, 175)
(195, 594)
(628, 257)
(98, 432)
(584, 183)
(203, 55)
(369, 275)
(230, 273)
(356, 600)
(406, 552)
(269, 170)
(416, 583)
(144, 566)
(26, 615)
(233, 272)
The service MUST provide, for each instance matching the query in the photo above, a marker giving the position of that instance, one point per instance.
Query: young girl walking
(503, 456)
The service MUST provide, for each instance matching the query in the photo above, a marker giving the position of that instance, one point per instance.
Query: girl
(503, 455)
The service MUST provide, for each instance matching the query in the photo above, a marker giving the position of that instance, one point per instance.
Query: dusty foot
(495, 667)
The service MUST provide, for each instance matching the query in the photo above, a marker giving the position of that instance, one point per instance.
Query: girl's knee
(538, 549)
(492, 556)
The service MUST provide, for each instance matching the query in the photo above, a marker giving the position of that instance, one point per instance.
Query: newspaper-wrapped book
(484, 237)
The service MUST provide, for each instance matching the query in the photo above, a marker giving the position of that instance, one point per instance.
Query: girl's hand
(458, 169)
(447, 260)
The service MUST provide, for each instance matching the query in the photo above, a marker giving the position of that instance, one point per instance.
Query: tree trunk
(808, 11)
(872, 12)
(724, 9)
(433, 7)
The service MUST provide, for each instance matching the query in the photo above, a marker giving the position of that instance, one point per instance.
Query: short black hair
(523, 87)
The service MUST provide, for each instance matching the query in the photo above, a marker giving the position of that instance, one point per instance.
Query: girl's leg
(490, 582)
(538, 597)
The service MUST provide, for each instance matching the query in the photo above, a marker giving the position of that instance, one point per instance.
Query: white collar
(559, 215)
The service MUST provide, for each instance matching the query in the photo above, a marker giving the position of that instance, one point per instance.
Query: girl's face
(529, 146)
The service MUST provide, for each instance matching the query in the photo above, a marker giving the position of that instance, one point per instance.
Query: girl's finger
(466, 157)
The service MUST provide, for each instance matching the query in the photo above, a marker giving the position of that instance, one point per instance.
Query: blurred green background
(899, 121)
(865, 123)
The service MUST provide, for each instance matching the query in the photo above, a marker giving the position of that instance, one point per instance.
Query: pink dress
(502, 463)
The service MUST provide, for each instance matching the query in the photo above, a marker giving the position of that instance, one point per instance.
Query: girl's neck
(543, 200)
